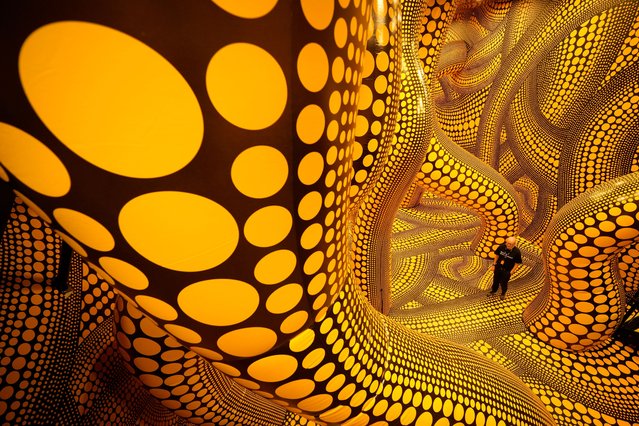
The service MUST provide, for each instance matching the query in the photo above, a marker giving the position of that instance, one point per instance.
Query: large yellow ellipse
(32, 162)
(111, 99)
(179, 231)
(219, 302)
(246, 86)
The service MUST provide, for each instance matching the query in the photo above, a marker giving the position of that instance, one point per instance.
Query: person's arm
(496, 256)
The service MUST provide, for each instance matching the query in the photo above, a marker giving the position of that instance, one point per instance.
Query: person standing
(507, 260)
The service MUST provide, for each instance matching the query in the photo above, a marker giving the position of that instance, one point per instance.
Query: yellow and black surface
(283, 213)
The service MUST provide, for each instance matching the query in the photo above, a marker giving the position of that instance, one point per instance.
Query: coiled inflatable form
(233, 178)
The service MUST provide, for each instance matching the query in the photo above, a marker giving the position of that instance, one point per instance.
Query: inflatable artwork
(219, 212)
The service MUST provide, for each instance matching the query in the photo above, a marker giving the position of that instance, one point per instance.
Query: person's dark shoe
(490, 293)
(502, 297)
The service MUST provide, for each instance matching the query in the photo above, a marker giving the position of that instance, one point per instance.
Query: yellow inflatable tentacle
(535, 143)
(470, 80)
(529, 51)
(628, 267)
(375, 216)
(617, 391)
(459, 118)
(452, 173)
(59, 339)
(583, 300)
(377, 99)
(488, 48)
(585, 60)
(474, 63)
(613, 115)
(491, 14)
(380, 93)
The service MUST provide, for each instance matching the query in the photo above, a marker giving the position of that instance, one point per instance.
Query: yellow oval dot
(302, 341)
(274, 368)
(248, 10)
(179, 231)
(259, 171)
(284, 298)
(312, 67)
(310, 124)
(156, 307)
(268, 226)
(604, 242)
(313, 263)
(318, 13)
(207, 353)
(316, 402)
(275, 267)
(85, 229)
(146, 346)
(311, 236)
(183, 333)
(310, 168)
(32, 163)
(310, 205)
(340, 32)
(296, 389)
(314, 358)
(124, 273)
(337, 415)
(317, 284)
(247, 86)
(88, 82)
(247, 342)
(294, 322)
(227, 369)
(249, 384)
(77, 247)
(219, 302)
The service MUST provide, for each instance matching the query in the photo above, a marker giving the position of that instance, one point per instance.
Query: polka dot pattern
(233, 212)
(131, 128)
(583, 305)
